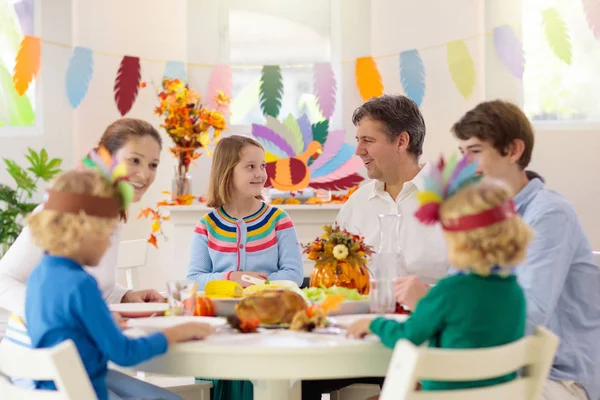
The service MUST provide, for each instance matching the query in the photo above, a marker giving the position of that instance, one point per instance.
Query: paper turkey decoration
(302, 155)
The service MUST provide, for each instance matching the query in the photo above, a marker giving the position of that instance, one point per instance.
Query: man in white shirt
(390, 137)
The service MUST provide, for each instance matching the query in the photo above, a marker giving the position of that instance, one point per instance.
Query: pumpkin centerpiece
(340, 260)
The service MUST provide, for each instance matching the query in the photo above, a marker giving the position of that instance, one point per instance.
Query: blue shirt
(265, 241)
(64, 302)
(562, 284)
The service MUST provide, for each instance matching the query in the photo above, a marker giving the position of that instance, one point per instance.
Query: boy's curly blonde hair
(502, 244)
(59, 232)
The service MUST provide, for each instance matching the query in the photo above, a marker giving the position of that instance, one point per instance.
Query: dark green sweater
(462, 312)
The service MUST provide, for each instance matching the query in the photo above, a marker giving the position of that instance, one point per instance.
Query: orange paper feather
(368, 79)
(27, 63)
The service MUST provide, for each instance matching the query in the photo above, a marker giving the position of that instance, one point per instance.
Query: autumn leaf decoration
(271, 90)
(127, 83)
(27, 63)
(157, 217)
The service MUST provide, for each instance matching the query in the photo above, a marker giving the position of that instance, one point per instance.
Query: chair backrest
(411, 364)
(60, 364)
(132, 255)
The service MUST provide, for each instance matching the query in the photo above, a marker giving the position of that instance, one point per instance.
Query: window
(292, 34)
(16, 20)
(554, 90)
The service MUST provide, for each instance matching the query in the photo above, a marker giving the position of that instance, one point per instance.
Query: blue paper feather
(430, 184)
(175, 70)
(412, 75)
(79, 74)
(306, 129)
(336, 162)
(466, 176)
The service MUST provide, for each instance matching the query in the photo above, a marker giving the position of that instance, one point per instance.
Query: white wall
(193, 30)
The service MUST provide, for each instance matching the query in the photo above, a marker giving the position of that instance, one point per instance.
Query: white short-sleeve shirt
(423, 246)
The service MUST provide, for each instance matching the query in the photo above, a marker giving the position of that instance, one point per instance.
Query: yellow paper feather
(368, 79)
(270, 157)
(119, 171)
(428, 197)
(461, 67)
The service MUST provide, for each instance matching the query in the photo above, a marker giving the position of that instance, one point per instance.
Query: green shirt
(462, 312)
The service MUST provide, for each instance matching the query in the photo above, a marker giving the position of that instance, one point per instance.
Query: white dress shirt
(423, 246)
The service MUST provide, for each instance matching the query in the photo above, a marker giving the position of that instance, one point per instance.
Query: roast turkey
(271, 307)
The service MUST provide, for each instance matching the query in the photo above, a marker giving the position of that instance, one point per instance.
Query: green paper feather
(271, 90)
(293, 127)
(449, 167)
(557, 35)
(320, 130)
(126, 191)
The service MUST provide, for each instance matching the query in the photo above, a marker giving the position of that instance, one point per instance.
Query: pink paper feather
(333, 144)
(348, 168)
(339, 184)
(220, 79)
(592, 13)
(325, 88)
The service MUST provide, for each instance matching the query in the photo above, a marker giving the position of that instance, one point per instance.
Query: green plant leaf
(26, 208)
(21, 177)
(8, 195)
(41, 167)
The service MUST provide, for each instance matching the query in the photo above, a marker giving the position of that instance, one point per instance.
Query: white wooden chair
(411, 364)
(132, 255)
(60, 364)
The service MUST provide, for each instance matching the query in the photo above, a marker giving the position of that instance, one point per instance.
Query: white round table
(274, 360)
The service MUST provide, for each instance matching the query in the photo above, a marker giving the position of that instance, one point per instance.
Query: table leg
(277, 390)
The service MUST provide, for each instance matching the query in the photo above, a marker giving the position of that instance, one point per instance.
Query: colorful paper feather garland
(175, 70)
(271, 90)
(510, 50)
(557, 35)
(325, 88)
(592, 14)
(461, 67)
(368, 78)
(412, 75)
(127, 83)
(79, 74)
(220, 79)
(27, 63)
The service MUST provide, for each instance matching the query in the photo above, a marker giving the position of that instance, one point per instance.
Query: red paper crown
(500, 213)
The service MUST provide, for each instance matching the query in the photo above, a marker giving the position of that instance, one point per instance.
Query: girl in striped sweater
(243, 235)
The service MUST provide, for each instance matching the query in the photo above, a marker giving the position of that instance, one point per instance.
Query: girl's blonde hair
(502, 244)
(60, 233)
(226, 156)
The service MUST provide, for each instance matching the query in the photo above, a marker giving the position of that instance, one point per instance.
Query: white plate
(159, 323)
(347, 320)
(138, 310)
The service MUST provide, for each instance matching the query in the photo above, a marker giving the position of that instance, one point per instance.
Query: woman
(134, 142)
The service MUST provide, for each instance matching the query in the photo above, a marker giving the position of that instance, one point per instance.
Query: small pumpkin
(205, 307)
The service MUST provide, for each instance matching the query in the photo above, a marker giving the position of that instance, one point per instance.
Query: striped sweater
(265, 241)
